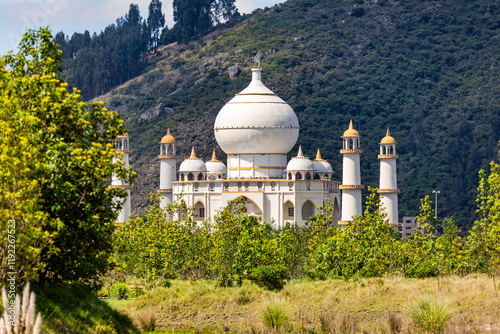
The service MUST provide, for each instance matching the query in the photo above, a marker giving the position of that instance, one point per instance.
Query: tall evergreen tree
(195, 17)
(97, 63)
(156, 21)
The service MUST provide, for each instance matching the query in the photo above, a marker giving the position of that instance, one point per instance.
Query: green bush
(275, 316)
(430, 315)
(137, 291)
(271, 277)
(166, 284)
(121, 291)
(178, 62)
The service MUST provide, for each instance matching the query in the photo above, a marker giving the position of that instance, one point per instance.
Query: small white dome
(193, 164)
(300, 163)
(256, 121)
(215, 166)
(322, 166)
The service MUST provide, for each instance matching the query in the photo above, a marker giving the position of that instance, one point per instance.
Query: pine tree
(156, 21)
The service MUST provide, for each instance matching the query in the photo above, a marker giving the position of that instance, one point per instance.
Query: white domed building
(256, 129)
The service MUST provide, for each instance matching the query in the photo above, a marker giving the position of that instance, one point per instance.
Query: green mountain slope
(428, 70)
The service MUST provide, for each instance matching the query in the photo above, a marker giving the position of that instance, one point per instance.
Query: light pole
(436, 192)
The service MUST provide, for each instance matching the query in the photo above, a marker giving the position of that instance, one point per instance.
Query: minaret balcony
(164, 191)
(388, 156)
(351, 150)
(167, 156)
(351, 186)
(388, 191)
(344, 222)
(124, 151)
(123, 186)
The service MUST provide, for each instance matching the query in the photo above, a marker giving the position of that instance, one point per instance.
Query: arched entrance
(307, 209)
(199, 210)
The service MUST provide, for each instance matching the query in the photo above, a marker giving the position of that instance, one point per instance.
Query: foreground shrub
(147, 321)
(270, 277)
(121, 290)
(430, 315)
(275, 316)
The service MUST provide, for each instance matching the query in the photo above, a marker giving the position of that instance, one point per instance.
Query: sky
(79, 15)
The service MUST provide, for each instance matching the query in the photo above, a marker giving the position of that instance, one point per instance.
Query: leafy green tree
(419, 251)
(483, 243)
(368, 246)
(160, 247)
(243, 246)
(55, 166)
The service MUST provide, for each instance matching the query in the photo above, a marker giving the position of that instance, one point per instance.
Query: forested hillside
(95, 64)
(428, 70)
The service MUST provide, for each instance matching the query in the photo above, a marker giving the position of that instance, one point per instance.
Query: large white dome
(256, 121)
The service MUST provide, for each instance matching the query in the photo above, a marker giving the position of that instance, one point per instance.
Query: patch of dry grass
(376, 305)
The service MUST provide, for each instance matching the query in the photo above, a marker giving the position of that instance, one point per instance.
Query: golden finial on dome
(318, 156)
(193, 154)
(168, 138)
(214, 157)
(388, 139)
(350, 132)
(300, 154)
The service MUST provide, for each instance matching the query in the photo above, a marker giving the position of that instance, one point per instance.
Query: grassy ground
(335, 306)
(74, 309)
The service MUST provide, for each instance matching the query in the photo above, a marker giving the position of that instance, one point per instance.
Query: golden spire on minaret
(168, 138)
(388, 139)
(350, 132)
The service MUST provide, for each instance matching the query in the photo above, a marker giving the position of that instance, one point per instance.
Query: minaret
(351, 177)
(388, 188)
(168, 161)
(122, 152)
